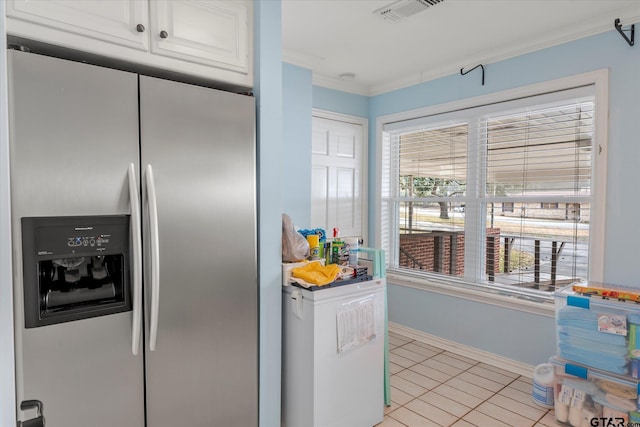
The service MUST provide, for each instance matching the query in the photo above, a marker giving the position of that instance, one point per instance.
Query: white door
(338, 190)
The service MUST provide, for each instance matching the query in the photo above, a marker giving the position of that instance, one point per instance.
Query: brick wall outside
(493, 247)
(418, 251)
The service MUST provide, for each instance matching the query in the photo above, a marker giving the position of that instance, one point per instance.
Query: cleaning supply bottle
(351, 247)
(337, 247)
(327, 253)
(314, 246)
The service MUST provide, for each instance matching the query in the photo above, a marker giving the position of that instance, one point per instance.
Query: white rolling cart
(333, 355)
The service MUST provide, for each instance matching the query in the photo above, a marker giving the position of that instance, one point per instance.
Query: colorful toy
(607, 293)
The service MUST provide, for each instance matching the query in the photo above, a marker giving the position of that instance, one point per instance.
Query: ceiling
(333, 37)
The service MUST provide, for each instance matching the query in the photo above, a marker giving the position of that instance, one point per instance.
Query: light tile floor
(434, 387)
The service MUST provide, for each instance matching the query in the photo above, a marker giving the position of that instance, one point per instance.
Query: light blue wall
(340, 102)
(516, 335)
(520, 336)
(297, 101)
(524, 337)
(268, 91)
(300, 97)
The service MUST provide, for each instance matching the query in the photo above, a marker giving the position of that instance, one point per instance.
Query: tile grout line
(440, 383)
(465, 370)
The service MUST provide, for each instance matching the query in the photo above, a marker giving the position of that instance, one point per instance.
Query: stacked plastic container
(598, 355)
(586, 396)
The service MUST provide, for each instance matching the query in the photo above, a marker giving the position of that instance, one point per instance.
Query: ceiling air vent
(399, 10)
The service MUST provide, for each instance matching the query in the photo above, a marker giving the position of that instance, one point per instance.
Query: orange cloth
(316, 273)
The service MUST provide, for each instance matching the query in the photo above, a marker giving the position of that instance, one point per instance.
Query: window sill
(482, 294)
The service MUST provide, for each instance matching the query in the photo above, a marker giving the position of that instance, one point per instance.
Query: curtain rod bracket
(467, 72)
(618, 26)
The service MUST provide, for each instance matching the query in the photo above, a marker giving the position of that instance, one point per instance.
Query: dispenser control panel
(74, 242)
(74, 238)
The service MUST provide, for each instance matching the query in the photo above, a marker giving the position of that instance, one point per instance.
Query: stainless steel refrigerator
(165, 332)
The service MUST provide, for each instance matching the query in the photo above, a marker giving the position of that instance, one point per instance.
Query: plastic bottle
(337, 247)
(327, 253)
(314, 246)
(351, 246)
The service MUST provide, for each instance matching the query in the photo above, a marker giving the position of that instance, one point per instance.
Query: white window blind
(498, 194)
(431, 166)
(539, 161)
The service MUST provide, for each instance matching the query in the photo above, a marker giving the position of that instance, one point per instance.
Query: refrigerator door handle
(136, 239)
(155, 257)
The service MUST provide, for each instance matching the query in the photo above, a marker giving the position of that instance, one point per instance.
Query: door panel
(73, 134)
(337, 193)
(320, 142)
(346, 145)
(319, 194)
(201, 145)
(347, 199)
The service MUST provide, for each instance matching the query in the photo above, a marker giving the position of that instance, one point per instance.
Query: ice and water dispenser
(74, 268)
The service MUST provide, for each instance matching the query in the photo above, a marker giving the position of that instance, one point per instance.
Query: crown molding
(627, 16)
(341, 85)
(310, 62)
(300, 59)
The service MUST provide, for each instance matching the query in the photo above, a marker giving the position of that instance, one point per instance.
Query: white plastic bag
(294, 246)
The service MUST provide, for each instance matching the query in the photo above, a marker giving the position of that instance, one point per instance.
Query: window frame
(471, 289)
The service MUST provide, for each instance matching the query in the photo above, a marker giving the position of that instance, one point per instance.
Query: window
(548, 205)
(497, 195)
(432, 171)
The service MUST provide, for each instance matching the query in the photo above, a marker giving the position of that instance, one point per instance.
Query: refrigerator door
(201, 146)
(73, 135)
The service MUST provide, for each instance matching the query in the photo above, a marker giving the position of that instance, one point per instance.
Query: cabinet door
(210, 32)
(113, 21)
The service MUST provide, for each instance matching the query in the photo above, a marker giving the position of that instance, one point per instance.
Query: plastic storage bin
(601, 333)
(589, 397)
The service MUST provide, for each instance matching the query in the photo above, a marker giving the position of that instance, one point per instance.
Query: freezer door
(73, 133)
(201, 146)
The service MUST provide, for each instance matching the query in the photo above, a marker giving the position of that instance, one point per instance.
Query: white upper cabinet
(211, 32)
(111, 21)
(211, 39)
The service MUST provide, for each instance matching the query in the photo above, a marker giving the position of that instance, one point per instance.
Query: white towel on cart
(356, 324)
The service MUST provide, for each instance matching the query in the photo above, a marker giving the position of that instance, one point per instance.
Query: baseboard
(464, 350)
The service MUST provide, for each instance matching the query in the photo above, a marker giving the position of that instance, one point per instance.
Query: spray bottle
(337, 247)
